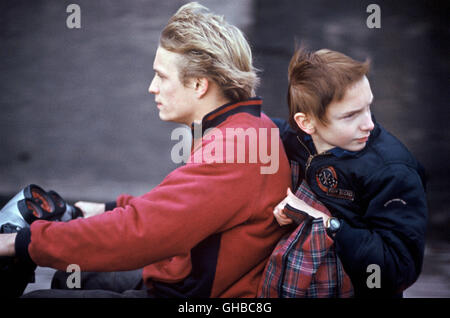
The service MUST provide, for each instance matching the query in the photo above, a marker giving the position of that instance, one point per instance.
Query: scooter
(30, 204)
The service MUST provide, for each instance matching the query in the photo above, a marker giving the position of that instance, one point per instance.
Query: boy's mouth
(364, 139)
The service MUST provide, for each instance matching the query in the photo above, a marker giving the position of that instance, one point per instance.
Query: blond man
(207, 230)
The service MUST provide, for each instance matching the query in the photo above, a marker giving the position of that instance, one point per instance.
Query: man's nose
(153, 88)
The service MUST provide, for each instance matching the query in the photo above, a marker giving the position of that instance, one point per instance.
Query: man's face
(174, 100)
(349, 120)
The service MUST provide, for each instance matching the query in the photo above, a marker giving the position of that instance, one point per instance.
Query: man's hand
(299, 204)
(7, 242)
(90, 208)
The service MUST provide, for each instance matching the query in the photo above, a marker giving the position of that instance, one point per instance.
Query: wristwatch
(332, 225)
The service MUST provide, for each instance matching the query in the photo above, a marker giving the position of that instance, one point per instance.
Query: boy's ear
(305, 123)
(201, 86)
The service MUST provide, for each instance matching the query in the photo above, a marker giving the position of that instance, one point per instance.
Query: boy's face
(175, 101)
(349, 120)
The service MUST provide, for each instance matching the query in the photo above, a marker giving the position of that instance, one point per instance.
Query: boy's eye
(349, 116)
(353, 114)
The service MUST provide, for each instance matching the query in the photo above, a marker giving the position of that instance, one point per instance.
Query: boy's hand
(90, 208)
(281, 218)
(298, 204)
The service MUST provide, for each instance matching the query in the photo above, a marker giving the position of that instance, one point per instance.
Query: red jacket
(210, 223)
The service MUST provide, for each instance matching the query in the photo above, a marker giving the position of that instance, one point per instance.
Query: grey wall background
(75, 114)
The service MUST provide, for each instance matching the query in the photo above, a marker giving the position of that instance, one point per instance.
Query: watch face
(334, 224)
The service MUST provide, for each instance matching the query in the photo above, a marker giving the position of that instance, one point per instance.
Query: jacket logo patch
(327, 178)
(327, 181)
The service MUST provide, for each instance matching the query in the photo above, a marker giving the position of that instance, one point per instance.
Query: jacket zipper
(311, 156)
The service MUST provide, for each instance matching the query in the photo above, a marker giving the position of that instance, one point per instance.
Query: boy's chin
(357, 147)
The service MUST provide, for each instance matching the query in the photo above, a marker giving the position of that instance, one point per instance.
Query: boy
(371, 184)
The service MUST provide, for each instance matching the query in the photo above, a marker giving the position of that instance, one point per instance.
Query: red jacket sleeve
(192, 202)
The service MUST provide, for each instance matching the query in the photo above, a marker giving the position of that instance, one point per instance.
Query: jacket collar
(219, 115)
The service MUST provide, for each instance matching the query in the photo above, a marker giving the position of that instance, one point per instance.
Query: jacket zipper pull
(308, 163)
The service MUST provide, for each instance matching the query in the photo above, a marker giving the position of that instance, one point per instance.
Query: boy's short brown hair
(318, 78)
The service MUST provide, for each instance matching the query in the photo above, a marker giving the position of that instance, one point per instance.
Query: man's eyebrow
(158, 71)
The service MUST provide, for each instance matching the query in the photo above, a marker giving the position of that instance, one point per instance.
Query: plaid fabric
(304, 263)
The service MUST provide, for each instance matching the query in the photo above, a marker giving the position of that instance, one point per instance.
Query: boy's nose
(367, 124)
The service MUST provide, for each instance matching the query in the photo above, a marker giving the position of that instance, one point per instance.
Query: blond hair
(211, 48)
(319, 78)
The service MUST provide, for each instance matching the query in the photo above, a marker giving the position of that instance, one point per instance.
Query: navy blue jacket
(378, 194)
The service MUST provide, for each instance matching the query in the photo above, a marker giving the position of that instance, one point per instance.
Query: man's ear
(201, 86)
(305, 122)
